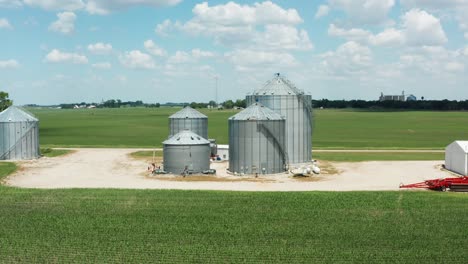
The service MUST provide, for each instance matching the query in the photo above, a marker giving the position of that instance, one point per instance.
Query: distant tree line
(112, 103)
(440, 105)
(4, 101)
(228, 104)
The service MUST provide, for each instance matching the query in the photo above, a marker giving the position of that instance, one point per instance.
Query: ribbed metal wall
(19, 140)
(297, 109)
(186, 150)
(198, 126)
(196, 158)
(255, 145)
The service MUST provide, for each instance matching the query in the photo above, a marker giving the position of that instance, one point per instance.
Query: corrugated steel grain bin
(281, 96)
(19, 135)
(186, 151)
(257, 141)
(191, 119)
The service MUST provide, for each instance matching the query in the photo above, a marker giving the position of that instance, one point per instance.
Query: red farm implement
(453, 184)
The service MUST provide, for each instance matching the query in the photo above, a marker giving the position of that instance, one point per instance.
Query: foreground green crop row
(339, 129)
(108, 226)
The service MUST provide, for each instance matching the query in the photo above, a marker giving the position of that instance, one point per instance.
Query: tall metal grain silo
(257, 141)
(19, 135)
(282, 96)
(186, 151)
(191, 119)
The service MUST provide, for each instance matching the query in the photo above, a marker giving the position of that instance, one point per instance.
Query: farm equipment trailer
(459, 184)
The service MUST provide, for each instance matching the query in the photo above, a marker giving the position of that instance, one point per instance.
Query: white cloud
(322, 11)
(454, 67)
(183, 57)
(100, 7)
(154, 49)
(65, 23)
(104, 7)
(434, 4)
(259, 26)
(418, 28)
(136, 59)
(163, 28)
(422, 28)
(57, 56)
(445, 8)
(235, 14)
(349, 58)
(388, 37)
(100, 48)
(245, 60)
(354, 34)
(465, 51)
(364, 11)
(4, 23)
(180, 57)
(102, 65)
(68, 5)
(9, 64)
(198, 54)
(278, 37)
(433, 61)
(10, 3)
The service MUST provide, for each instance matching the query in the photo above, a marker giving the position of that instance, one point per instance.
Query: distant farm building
(223, 152)
(456, 157)
(400, 98)
(19, 135)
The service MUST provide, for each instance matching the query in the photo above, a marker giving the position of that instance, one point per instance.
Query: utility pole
(216, 91)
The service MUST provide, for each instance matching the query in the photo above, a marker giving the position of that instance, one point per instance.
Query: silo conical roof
(278, 86)
(188, 112)
(186, 137)
(257, 111)
(16, 114)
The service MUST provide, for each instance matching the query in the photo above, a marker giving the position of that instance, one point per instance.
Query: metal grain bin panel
(283, 97)
(191, 119)
(186, 151)
(256, 141)
(19, 135)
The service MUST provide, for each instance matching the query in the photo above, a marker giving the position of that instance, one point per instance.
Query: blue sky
(172, 50)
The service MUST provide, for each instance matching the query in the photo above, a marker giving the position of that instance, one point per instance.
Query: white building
(223, 152)
(456, 157)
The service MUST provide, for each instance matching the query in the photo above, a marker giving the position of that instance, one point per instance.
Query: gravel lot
(114, 168)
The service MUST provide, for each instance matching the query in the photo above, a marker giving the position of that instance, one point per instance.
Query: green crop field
(128, 226)
(124, 127)
(377, 156)
(339, 129)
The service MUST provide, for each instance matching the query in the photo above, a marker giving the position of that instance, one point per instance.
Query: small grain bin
(283, 97)
(191, 119)
(19, 135)
(257, 141)
(186, 151)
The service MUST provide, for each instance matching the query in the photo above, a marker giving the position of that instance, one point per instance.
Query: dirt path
(113, 168)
